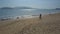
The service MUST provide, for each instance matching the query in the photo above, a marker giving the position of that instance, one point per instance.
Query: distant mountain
(18, 8)
(24, 8)
(6, 8)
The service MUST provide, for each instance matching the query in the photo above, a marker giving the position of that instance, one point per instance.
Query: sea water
(25, 13)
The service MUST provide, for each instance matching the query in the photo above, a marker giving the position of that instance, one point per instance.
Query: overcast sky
(43, 4)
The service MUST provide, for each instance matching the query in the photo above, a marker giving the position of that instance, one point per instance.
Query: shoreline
(24, 17)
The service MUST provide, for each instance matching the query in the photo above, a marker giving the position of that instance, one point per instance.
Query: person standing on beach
(40, 16)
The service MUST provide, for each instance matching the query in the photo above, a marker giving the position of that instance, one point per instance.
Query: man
(40, 16)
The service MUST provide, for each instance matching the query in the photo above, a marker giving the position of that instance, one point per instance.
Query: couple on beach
(40, 16)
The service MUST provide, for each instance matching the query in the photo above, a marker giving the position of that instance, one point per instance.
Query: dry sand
(49, 24)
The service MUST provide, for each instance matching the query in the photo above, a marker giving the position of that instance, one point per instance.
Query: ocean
(27, 13)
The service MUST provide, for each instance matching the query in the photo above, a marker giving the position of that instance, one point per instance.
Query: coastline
(50, 24)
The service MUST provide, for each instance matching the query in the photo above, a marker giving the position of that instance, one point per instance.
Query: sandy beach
(49, 24)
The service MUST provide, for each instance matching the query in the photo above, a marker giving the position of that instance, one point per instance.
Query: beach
(49, 24)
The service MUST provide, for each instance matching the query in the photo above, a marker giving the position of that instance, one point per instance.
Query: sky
(42, 4)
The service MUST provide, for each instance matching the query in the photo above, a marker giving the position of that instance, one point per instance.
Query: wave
(21, 17)
(25, 16)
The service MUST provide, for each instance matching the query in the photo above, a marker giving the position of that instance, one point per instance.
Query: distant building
(57, 8)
